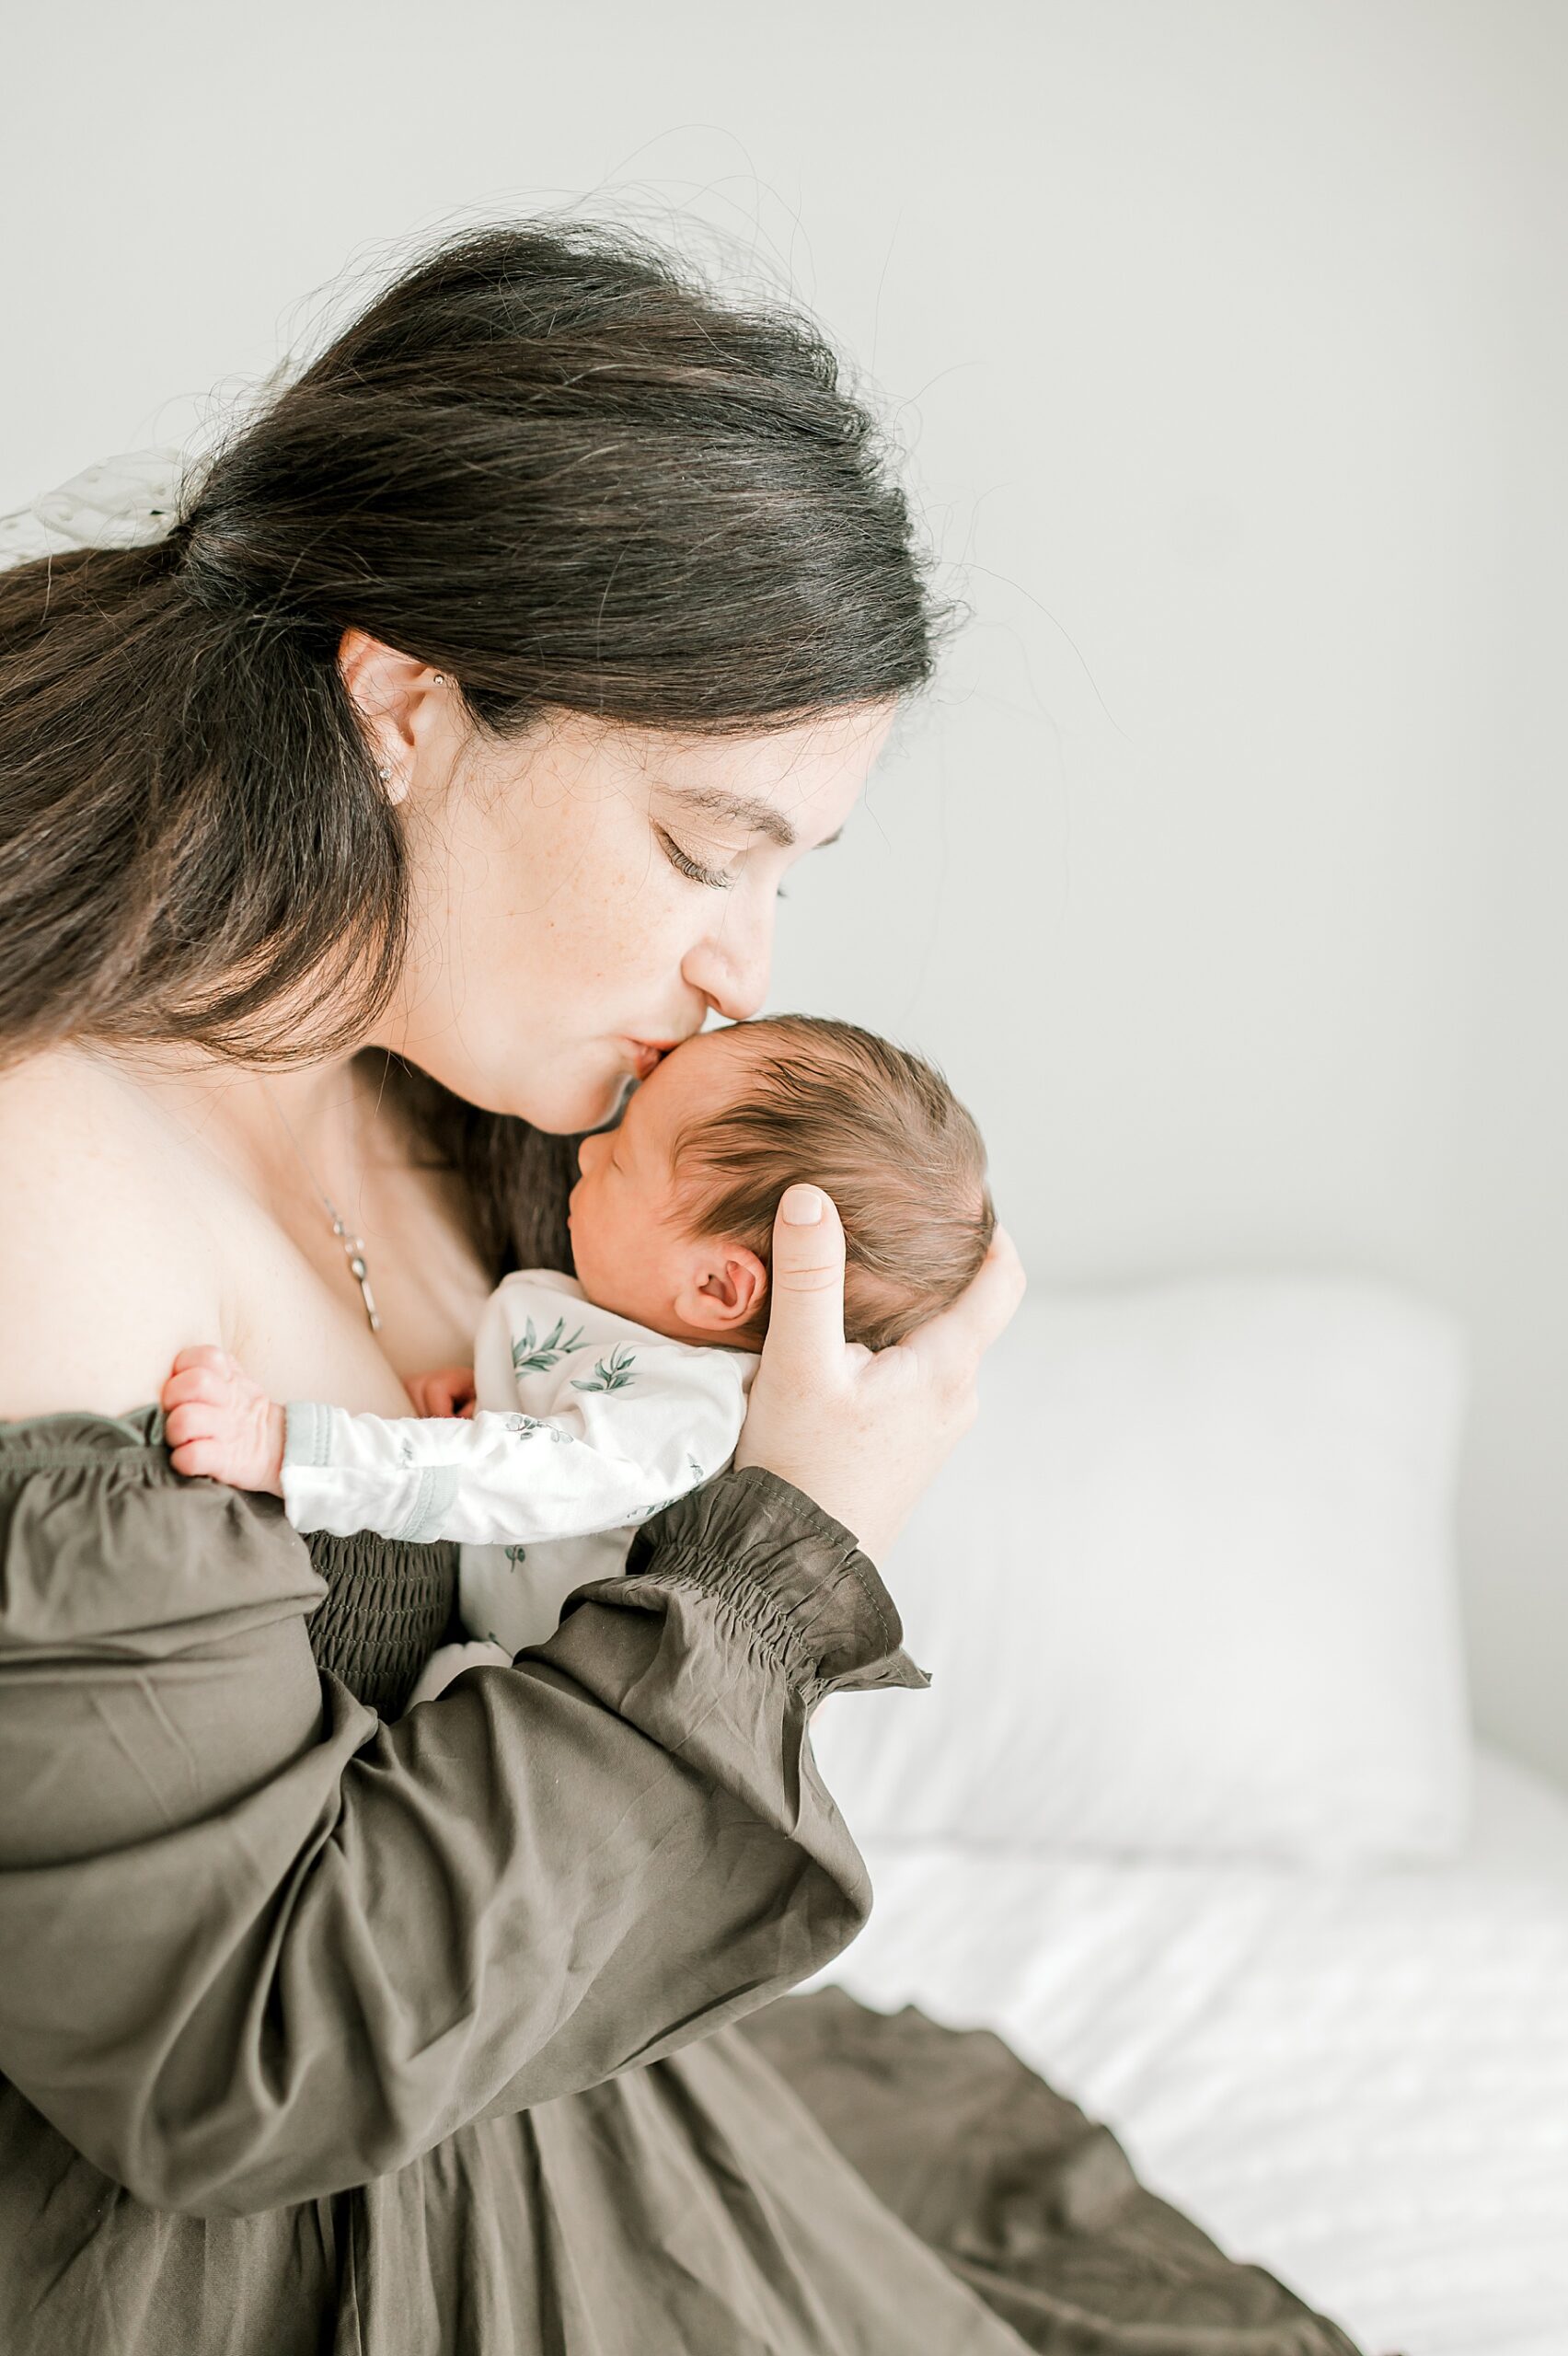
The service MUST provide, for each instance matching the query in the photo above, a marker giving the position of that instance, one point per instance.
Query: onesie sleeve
(615, 1435)
(260, 1947)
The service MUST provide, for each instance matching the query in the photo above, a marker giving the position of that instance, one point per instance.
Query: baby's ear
(723, 1289)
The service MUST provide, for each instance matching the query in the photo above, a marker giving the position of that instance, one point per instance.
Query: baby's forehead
(691, 1080)
(709, 1076)
(718, 1065)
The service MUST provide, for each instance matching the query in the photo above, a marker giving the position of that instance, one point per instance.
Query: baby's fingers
(206, 1355)
(198, 1420)
(198, 1384)
(200, 1459)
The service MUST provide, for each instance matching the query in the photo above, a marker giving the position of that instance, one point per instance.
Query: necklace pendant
(354, 1247)
(353, 1252)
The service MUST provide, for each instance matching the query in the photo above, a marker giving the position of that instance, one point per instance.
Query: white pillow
(1188, 1586)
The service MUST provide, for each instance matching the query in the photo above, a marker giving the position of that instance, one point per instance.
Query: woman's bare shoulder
(103, 1276)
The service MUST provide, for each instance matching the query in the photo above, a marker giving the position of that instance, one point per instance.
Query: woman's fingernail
(803, 1206)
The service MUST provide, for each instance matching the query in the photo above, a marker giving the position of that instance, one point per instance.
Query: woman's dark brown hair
(541, 461)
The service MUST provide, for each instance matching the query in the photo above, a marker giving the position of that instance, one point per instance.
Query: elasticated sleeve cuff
(788, 1573)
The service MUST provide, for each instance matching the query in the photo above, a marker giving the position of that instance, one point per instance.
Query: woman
(472, 713)
(363, 837)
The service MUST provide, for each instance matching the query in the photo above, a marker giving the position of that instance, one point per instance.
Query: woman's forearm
(257, 1953)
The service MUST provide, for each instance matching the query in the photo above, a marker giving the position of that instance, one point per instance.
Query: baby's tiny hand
(221, 1426)
(448, 1392)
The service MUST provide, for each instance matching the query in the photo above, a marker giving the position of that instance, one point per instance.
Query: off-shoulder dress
(328, 2030)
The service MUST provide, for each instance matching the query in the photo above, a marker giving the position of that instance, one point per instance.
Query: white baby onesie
(584, 1426)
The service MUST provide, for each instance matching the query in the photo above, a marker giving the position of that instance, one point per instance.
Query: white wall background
(1224, 873)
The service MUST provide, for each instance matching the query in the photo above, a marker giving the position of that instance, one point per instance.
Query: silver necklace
(354, 1245)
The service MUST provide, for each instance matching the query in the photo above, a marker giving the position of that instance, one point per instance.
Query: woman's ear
(723, 1288)
(396, 697)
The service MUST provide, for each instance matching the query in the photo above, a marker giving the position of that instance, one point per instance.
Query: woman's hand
(862, 1432)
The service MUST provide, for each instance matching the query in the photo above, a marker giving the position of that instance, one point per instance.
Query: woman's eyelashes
(713, 877)
(716, 879)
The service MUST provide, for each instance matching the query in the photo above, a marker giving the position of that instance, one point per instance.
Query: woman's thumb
(806, 1320)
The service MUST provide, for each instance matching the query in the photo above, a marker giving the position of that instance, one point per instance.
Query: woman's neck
(275, 1130)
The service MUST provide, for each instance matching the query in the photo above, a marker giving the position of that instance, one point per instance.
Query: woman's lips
(647, 1053)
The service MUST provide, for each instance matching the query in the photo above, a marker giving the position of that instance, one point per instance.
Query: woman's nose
(733, 971)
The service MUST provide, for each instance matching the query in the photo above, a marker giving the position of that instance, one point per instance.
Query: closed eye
(714, 878)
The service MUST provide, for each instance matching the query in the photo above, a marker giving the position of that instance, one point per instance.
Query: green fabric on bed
(1027, 2200)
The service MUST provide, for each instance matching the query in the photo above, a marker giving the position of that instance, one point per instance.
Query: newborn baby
(594, 1402)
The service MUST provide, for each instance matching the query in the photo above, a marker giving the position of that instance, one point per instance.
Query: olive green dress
(325, 2030)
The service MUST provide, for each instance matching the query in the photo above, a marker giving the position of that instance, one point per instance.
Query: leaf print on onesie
(532, 1356)
(698, 1475)
(612, 1373)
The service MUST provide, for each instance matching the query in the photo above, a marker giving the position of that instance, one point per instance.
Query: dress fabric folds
(324, 2033)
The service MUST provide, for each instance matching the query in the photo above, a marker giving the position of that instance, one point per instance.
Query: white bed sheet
(1357, 2079)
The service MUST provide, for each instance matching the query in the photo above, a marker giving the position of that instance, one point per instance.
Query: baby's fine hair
(877, 1127)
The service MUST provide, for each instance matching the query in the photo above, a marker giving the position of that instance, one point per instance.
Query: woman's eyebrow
(739, 809)
(744, 810)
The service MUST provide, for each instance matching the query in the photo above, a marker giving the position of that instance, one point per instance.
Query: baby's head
(672, 1219)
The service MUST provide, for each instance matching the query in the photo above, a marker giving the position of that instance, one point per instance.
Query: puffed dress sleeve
(259, 1945)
